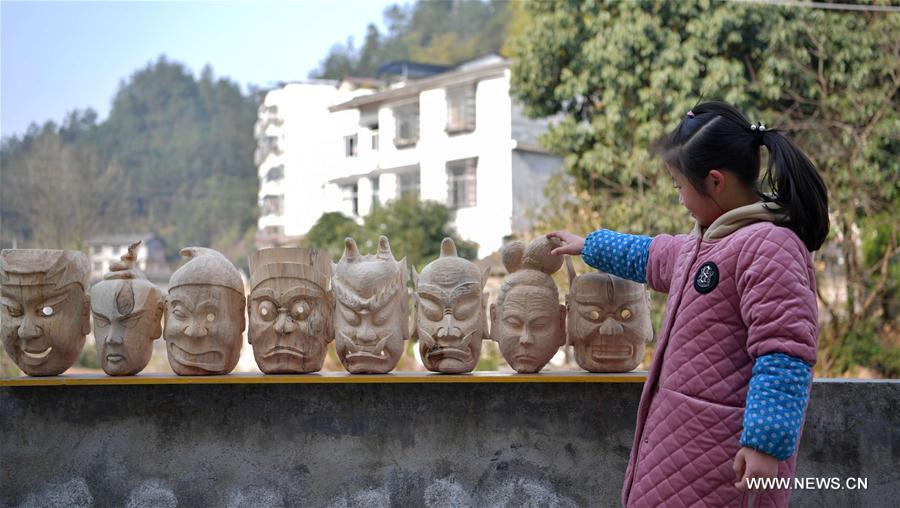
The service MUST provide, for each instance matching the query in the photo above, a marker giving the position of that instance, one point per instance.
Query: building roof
(410, 69)
(485, 67)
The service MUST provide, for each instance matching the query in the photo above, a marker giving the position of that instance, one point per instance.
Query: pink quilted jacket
(692, 406)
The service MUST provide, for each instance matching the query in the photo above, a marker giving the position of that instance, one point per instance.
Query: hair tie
(758, 132)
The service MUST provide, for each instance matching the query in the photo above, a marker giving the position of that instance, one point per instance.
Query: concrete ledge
(245, 442)
(330, 377)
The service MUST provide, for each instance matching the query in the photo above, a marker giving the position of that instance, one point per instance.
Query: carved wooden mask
(527, 321)
(204, 314)
(371, 320)
(44, 309)
(608, 321)
(291, 309)
(128, 313)
(450, 320)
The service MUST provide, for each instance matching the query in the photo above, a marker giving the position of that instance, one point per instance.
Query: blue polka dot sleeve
(776, 399)
(618, 253)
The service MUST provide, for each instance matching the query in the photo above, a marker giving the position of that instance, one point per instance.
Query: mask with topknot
(127, 311)
(527, 321)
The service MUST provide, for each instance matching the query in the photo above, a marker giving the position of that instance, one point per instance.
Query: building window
(406, 118)
(350, 145)
(273, 231)
(275, 174)
(375, 138)
(273, 204)
(350, 196)
(461, 183)
(376, 187)
(408, 184)
(461, 108)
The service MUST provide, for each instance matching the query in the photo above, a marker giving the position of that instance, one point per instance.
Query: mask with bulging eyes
(44, 308)
(371, 320)
(450, 320)
(290, 309)
(204, 314)
(608, 321)
(127, 312)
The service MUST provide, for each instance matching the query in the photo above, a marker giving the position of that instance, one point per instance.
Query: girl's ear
(715, 182)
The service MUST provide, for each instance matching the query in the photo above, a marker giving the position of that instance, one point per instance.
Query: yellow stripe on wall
(328, 377)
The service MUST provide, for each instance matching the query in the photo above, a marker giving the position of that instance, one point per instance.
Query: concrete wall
(418, 444)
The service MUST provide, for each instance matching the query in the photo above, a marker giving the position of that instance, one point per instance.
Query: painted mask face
(450, 312)
(608, 322)
(128, 313)
(527, 322)
(44, 310)
(290, 309)
(371, 318)
(204, 315)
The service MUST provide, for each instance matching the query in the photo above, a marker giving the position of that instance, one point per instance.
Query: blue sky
(60, 56)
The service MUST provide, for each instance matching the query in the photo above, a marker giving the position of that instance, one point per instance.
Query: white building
(454, 137)
(151, 255)
(297, 152)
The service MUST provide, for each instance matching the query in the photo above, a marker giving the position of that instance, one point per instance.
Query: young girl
(726, 392)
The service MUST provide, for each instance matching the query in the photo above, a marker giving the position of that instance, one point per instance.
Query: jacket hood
(732, 220)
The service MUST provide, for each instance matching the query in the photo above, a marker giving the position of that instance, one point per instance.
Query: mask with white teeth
(127, 312)
(608, 321)
(450, 319)
(370, 318)
(44, 309)
(204, 314)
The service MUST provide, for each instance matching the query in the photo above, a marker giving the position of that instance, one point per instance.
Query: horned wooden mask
(450, 312)
(527, 321)
(371, 319)
(204, 314)
(291, 309)
(128, 313)
(608, 321)
(44, 309)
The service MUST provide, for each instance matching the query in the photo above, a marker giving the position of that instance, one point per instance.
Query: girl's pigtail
(798, 189)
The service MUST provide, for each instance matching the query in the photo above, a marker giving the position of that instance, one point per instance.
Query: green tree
(620, 74)
(436, 31)
(174, 157)
(329, 232)
(415, 229)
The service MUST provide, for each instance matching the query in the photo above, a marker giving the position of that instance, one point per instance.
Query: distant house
(452, 135)
(151, 255)
(297, 152)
